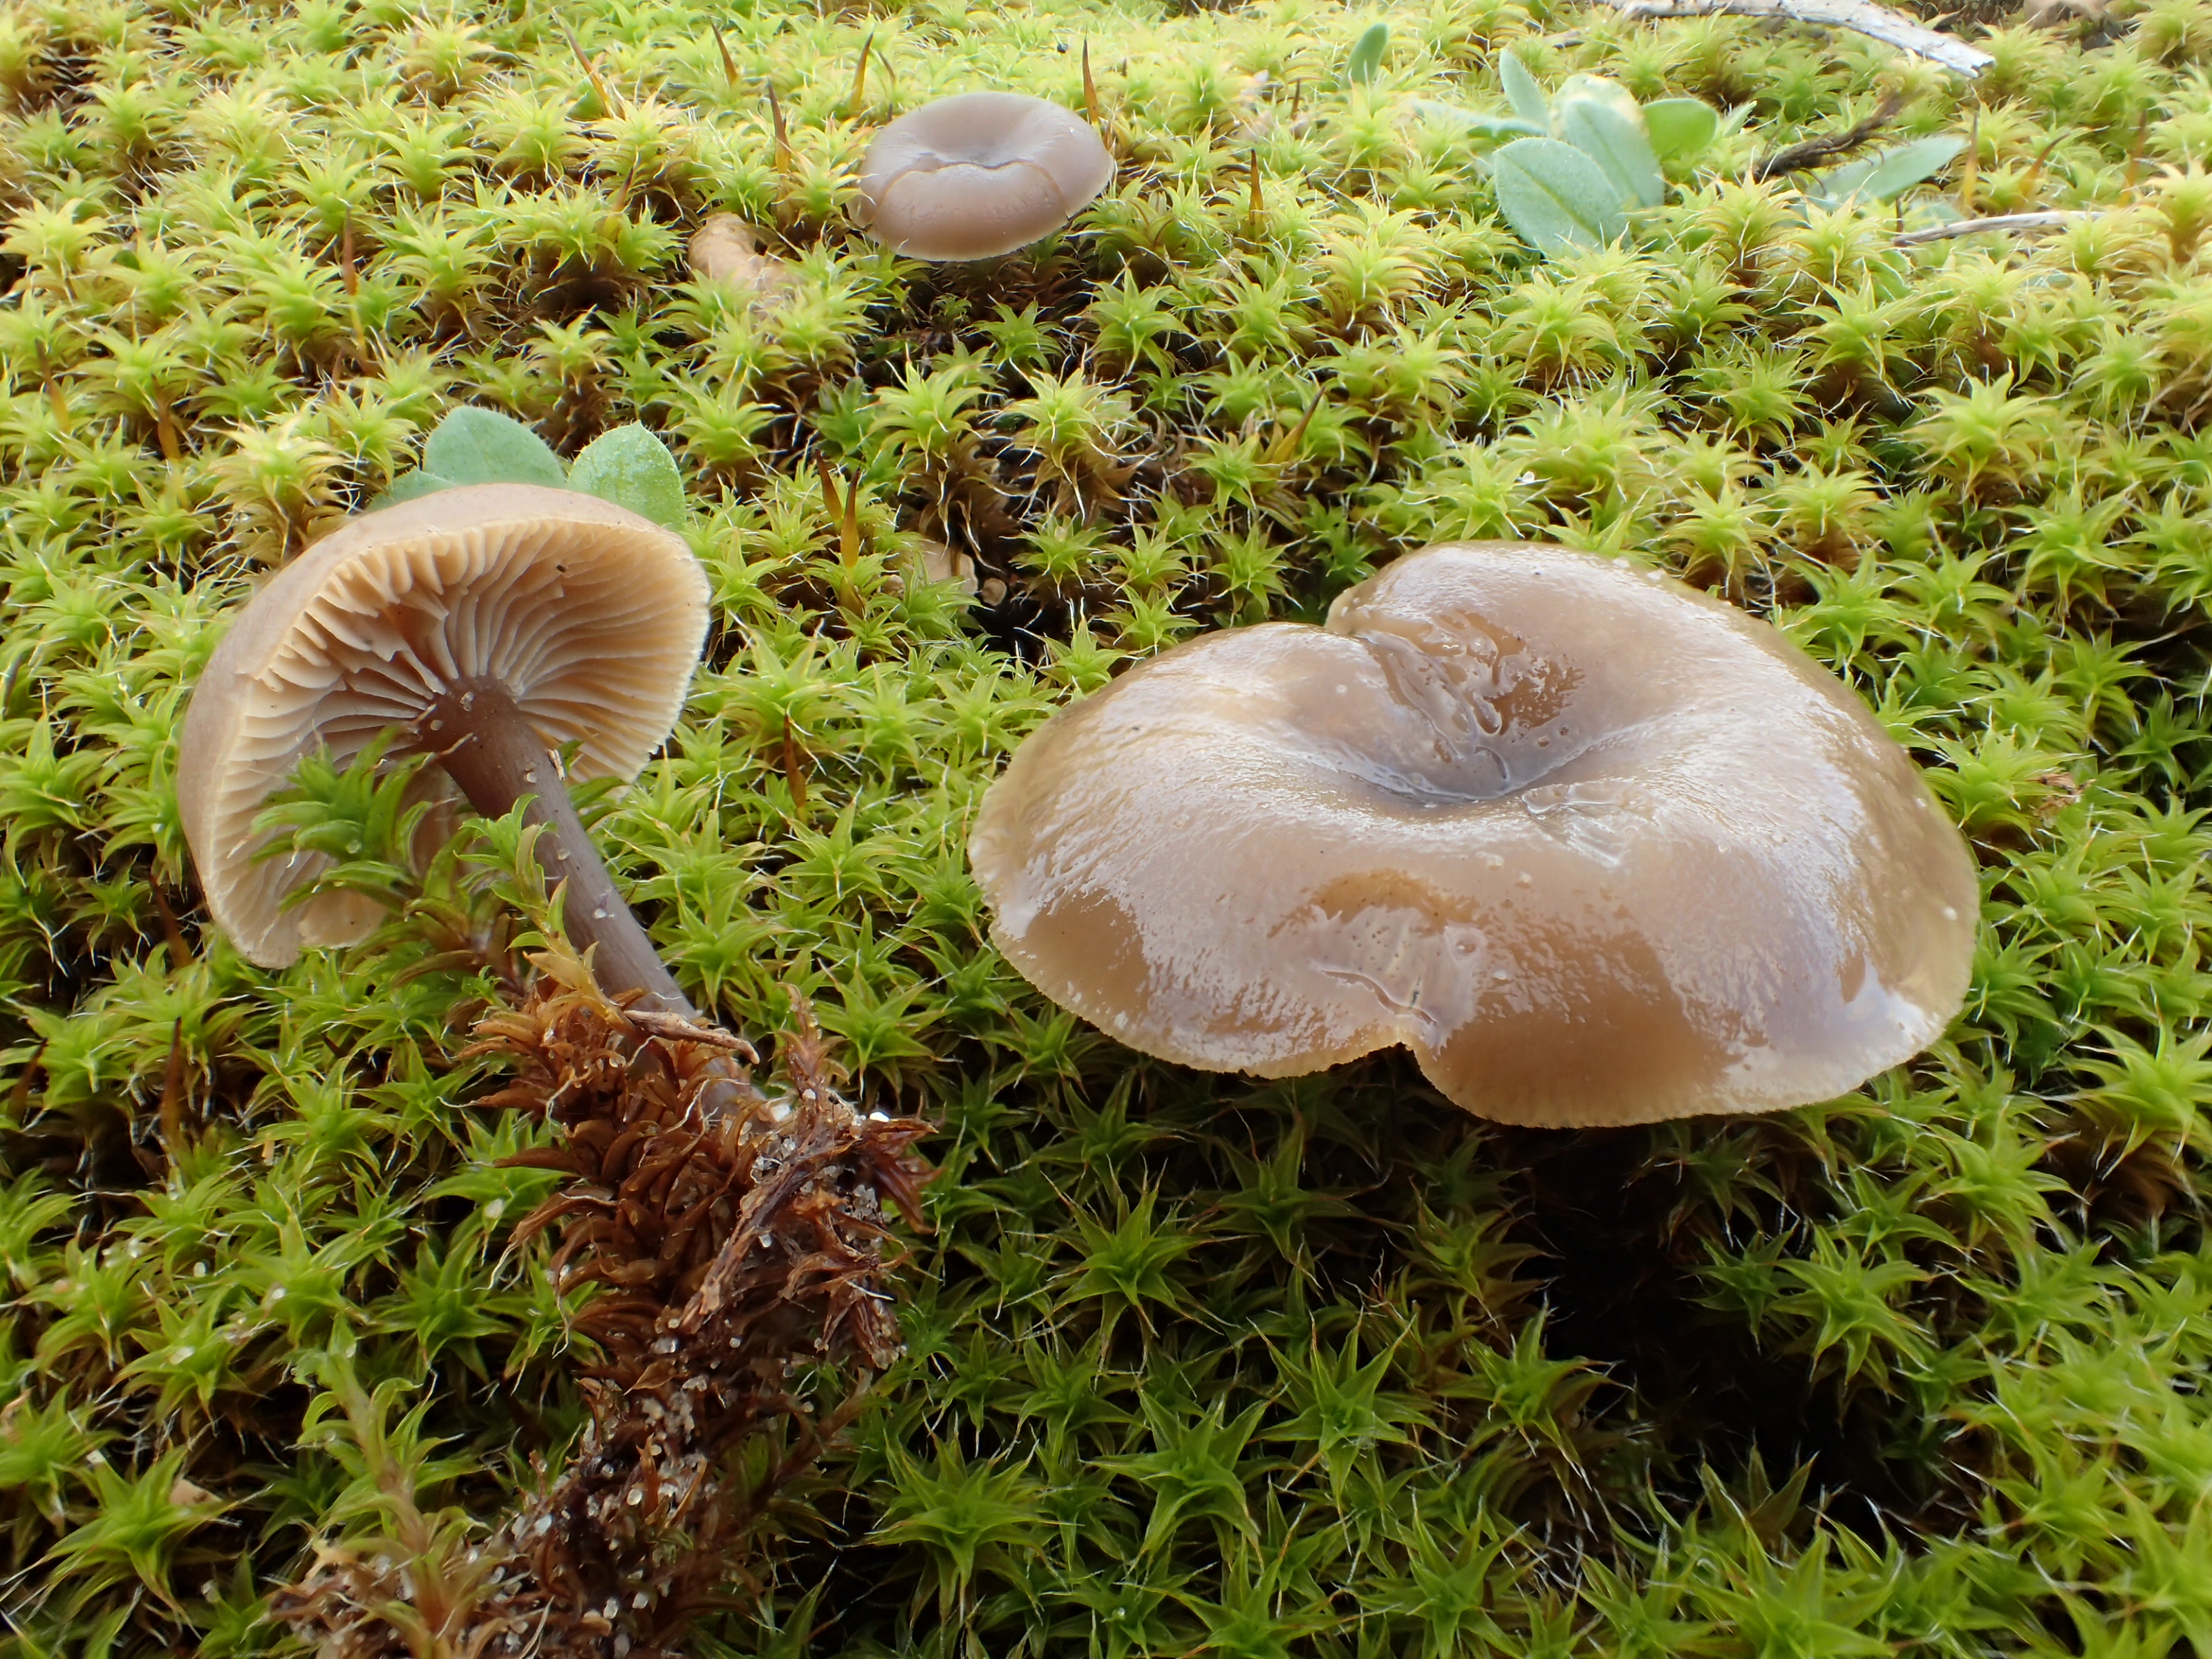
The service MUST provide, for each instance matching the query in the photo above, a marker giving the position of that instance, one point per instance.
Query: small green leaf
(1680, 128)
(632, 468)
(1555, 197)
(1899, 169)
(1522, 91)
(1475, 124)
(1615, 141)
(1366, 60)
(407, 487)
(1596, 89)
(481, 446)
(1886, 177)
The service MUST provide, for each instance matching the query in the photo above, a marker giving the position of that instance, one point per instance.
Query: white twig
(2009, 223)
(1879, 22)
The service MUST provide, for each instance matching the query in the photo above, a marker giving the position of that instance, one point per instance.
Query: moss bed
(1193, 1364)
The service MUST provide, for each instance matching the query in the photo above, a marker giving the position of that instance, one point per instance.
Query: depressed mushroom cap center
(978, 174)
(1596, 848)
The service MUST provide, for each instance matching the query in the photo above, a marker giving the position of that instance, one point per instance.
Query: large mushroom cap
(589, 615)
(1597, 848)
(978, 174)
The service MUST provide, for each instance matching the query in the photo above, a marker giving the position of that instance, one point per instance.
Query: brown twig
(1285, 448)
(173, 1096)
(19, 1097)
(172, 933)
(783, 165)
(794, 773)
(607, 103)
(1812, 152)
(1969, 170)
(1877, 23)
(2013, 224)
(861, 76)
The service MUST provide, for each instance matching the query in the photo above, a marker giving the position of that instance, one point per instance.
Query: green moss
(1318, 1368)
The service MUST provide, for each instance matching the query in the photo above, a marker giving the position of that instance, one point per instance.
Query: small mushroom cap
(725, 250)
(978, 174)
(590, 616)
(1598, 849)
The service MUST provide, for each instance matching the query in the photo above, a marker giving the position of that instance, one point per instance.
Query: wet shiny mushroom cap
(1598, 849)
(977, 175)
(589, 616)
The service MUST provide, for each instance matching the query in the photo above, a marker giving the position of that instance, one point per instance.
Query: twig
(783, 162)
(1811, 152)
(861, 76)
(672, 1028)
(607, 104)
(1973, 162)
(1877, 23)
(2003, 223)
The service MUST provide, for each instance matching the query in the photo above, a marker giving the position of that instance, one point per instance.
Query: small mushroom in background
(493, 624)
(939, 564)
(725, 250)
(1598, 849)
(978, 174)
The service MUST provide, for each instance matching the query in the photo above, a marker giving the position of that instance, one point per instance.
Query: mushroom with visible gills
(1597, 848)
(978, 174)
(493, 624)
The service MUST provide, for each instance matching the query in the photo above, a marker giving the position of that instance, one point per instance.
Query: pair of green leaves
(1589, 158)
(627, 466)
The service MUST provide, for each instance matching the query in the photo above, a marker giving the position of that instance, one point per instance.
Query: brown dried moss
(734, 1238)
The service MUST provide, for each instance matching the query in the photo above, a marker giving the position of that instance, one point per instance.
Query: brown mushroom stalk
(489, 751)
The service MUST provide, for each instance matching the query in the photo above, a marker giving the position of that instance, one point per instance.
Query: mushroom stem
(491, 752)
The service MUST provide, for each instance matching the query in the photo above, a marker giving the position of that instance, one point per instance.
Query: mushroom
(493, 624)
(977, 175)
(725, 250)
(1597, 848)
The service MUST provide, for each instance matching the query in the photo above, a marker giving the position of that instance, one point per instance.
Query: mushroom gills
(492, 623)
(485, 745)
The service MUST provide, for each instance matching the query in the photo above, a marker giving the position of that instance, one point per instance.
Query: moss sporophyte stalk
(402, 1295)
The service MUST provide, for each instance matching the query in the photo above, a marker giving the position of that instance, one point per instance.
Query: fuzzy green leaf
(1555, 197)
(1522, 91)
(632, 468)
(1680, 128)
(1366, 60)
(1476, 124)
(1886, 177)
(1910, 164)
(412, 485)
(1614, 140)
(1595, 89)
(481, 446)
